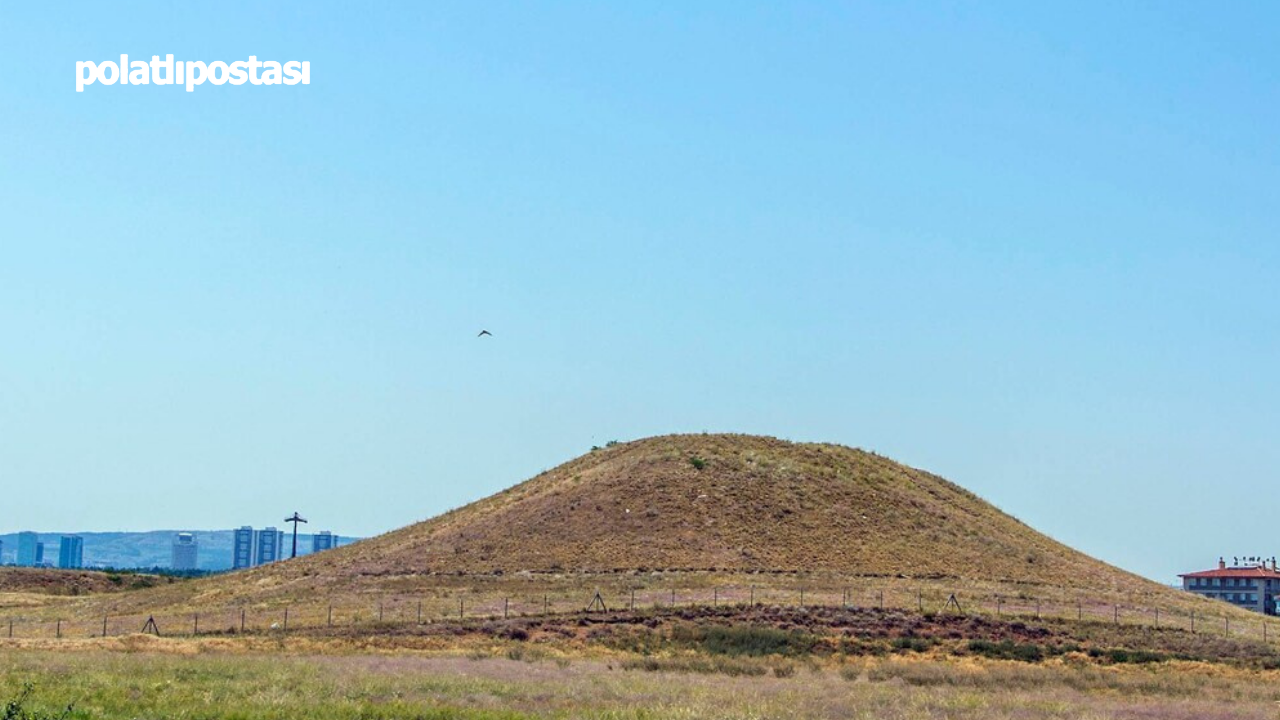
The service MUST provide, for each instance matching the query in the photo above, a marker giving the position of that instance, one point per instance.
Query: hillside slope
(726, 502)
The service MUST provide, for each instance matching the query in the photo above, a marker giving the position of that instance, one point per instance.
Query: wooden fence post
(881, 599)
(59, 630)
(286, 618)
(419, 612)
(242, 621)
(195, 624)
(329, 621)
(504, 607)
(462, 613)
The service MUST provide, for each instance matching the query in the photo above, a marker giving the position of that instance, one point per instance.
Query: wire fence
(400, 612)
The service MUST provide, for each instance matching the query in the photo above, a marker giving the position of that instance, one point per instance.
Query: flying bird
(485, 332)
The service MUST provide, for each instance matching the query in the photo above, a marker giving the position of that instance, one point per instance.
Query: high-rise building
(322, 540)
(185, 549)
(242, 553)
(269, 542)
(28, 549)
(71, 551)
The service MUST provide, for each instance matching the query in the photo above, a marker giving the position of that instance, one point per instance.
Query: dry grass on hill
(727, 503)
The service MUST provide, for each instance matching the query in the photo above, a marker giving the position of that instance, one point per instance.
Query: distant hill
(149, 549)
(42, 581)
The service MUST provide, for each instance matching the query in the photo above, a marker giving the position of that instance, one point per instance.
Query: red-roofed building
(1252, 586)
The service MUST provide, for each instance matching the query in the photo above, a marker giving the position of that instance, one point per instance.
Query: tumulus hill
(732, 503)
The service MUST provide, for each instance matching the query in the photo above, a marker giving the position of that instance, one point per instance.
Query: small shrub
(784, 671)
(751, 640)
(16, 709)
(911, 644)
(1007, 650)
(697, 462)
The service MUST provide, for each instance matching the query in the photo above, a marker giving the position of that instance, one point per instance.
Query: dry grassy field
(146, 678)
(749, 661)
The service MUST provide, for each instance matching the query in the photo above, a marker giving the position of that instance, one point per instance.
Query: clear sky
(1031, 247)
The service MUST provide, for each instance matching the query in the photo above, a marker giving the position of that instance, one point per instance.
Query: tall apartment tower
(322, 540)
(185, 549)
(71, 552)
(269, 543)
(242, 552)
(28, 549)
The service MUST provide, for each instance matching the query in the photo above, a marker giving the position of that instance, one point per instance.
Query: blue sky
(1032, 248)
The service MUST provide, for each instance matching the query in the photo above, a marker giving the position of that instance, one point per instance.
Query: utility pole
(295, 520)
